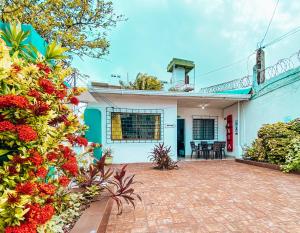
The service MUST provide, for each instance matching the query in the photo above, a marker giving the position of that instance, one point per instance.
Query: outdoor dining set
(206, 150)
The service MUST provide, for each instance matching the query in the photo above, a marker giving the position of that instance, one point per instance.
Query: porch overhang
(184, 99)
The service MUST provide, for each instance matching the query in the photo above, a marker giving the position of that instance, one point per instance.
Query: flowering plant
(37, 131)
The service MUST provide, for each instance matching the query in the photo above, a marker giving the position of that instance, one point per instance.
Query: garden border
(264, 165)
(95, 218)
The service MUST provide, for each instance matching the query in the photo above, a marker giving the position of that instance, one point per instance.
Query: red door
(229, 133)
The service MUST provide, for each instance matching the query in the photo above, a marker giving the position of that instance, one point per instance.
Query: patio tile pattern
(211, 196)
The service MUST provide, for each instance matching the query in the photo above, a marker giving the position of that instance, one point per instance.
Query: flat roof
(178, 95)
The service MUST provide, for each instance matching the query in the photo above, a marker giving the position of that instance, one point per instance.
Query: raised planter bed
(262, 164)
(95, 218)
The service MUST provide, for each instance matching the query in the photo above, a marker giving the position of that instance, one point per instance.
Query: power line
(276, 40)
(226, 66)
(269, 24)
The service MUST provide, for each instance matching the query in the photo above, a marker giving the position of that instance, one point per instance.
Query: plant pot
(108, 160)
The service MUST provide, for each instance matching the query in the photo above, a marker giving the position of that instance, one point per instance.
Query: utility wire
(262, 41)
(276, 40)
(226, 66)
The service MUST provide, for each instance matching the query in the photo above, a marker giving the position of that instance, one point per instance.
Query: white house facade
(133, 121)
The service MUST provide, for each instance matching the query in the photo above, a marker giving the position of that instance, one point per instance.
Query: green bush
(293, 158)
(277, 143)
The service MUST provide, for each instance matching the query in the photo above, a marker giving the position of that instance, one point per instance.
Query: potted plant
(107, 152)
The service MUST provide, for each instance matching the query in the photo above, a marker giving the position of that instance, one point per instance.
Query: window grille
(134, 125)
(205, 128)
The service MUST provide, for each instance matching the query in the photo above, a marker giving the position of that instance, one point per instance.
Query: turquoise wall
(34, 38)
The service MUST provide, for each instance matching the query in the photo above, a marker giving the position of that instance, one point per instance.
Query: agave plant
(16, 40)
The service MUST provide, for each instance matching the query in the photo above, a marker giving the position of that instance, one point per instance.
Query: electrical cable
(261, 42)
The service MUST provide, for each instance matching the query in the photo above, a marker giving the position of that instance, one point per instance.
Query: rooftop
(186, 64)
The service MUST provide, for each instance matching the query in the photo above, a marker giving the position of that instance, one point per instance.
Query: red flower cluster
(64, 181)
(77, 140)
(23, 228)
(26, 133)
(47, 85)
(38, 214)
(74, 100)
(7, 126)
(26, 188)
(36, 158)
(13, 101)
(44, 68)
(48, 189)
(66, 151)
(40, 108)
(71, 166)
(61, 93)
(34, 93)
(51, 156)
(41, 172)
(16, 68)
(82, 141)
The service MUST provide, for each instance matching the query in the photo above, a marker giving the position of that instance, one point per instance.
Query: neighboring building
(131, 122)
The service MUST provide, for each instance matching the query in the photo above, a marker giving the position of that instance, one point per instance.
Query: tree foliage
(78, 25)
(144, 82)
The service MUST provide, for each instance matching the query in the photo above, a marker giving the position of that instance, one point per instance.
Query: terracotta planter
(108, 160)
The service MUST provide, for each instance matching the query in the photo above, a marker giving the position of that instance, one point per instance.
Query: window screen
(135, 126)
(203, 129)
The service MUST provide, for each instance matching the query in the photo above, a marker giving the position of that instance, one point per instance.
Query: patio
(211, 196)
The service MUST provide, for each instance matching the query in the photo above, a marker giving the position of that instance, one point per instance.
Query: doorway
(180, 138)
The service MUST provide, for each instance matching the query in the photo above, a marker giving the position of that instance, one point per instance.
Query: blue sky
(212, 33)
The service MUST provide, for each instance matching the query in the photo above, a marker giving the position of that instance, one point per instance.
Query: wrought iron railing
(239, 83)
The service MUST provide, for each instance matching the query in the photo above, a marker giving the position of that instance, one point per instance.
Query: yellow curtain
(157, 128)
(116, 127)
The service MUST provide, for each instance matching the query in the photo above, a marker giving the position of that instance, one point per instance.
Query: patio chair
(223, 146)
(217, 150)
(194, 149)
(204, 149)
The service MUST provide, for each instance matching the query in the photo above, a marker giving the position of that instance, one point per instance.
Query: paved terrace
(212, 196)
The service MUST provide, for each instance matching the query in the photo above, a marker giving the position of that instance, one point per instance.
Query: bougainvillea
(35, 120)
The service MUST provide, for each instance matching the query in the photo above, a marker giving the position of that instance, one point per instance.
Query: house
(131, 122)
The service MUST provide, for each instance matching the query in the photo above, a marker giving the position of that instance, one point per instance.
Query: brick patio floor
(212, 196)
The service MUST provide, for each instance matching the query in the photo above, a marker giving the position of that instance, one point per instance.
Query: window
(135, 126)
(204, 129)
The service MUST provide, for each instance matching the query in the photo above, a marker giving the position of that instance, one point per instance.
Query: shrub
(293, 158)
(256, 151)
(161, 158)
(96, 178)
(277, 143)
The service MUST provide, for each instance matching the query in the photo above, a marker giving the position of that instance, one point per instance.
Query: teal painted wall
(34, 38)
(92, 118)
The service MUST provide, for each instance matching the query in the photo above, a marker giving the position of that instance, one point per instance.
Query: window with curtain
(203, 129)
(135, 126)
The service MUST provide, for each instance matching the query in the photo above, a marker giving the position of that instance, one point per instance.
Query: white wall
(138, 152)
(282, 104)
(188, 113)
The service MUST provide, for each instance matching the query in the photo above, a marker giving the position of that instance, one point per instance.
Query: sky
(212, 33)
